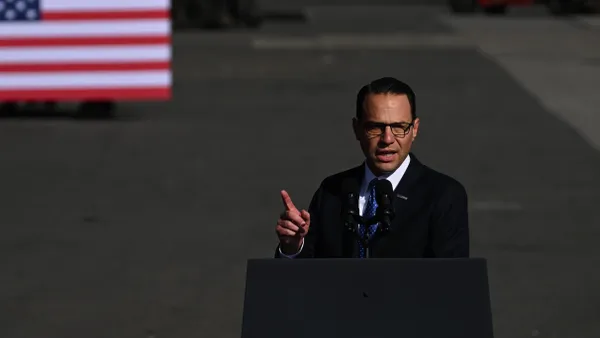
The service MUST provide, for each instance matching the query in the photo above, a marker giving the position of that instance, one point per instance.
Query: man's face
(385, 151)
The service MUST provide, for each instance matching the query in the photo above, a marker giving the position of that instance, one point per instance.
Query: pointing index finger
(287, 201)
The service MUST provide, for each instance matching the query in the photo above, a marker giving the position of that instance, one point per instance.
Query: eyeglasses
(374, 129)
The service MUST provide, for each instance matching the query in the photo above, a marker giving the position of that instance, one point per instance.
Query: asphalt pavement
(141, 225)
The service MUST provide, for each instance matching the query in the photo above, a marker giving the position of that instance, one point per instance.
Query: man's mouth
(385, 155)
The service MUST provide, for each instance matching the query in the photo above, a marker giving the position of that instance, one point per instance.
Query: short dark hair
(385, 85)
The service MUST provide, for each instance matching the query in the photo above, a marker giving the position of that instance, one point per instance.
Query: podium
(367, 298)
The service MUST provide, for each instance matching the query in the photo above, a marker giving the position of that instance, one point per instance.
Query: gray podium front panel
(367, 298)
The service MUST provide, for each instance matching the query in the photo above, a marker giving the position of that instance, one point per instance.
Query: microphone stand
(383, 215)
(352, 224)
(366, 241)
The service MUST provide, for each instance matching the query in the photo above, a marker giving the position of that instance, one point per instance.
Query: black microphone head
(350, 190)
(385, 210)
(383, 191)
(350, 213)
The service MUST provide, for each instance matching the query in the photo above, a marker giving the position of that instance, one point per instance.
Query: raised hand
(292, 226)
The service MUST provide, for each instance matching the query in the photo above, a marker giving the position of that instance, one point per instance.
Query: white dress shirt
(394, 178)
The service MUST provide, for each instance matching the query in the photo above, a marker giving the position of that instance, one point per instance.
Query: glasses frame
(382, 127)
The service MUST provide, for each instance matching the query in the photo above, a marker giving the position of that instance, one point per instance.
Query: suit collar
(402, 198)
(411, 176)
(403, 178)
(394, 177)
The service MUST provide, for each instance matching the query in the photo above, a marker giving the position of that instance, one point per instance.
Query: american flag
(85, 49)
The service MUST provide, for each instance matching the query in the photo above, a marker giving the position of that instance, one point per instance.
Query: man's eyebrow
(381, 122)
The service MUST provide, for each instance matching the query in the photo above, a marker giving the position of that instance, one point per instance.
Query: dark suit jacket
(431, 222)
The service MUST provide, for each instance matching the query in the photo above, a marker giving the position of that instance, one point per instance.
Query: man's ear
(416, 128)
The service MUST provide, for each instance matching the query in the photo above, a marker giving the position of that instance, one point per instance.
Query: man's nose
(387, 136)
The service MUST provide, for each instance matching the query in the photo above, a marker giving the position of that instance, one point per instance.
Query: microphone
(385, 210)
(350, 214)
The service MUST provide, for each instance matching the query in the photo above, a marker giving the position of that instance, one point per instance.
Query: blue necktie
(369, 212)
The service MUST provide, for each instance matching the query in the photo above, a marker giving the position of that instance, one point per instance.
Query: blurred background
(139, 223)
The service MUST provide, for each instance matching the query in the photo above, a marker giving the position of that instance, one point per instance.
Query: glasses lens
(376, 129)
(373, 129)
(401, 129)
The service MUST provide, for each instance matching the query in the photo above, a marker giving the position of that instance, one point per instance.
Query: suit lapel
(404, 192)
(403, 204)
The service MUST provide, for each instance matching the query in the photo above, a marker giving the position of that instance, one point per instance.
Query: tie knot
(372, 185)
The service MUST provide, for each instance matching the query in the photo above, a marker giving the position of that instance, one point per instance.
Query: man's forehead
(386, 102)
(398, 113)
(387, 98)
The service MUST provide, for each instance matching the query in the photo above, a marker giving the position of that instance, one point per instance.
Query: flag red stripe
(150, 93)
(83, 67)
(105, 15)
(85, 41)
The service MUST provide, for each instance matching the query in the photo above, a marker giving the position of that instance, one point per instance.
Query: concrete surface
(141, 226)
(557, 61)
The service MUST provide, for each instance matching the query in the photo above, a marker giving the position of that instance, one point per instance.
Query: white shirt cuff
(294, 255)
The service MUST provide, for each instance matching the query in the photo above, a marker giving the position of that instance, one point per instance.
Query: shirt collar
(394, 177)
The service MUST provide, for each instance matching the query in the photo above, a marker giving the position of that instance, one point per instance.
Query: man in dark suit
(431, 217)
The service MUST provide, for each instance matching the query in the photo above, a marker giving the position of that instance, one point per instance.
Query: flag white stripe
(86, 28)
(85, 54)
(11, 81)
(86, 5)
